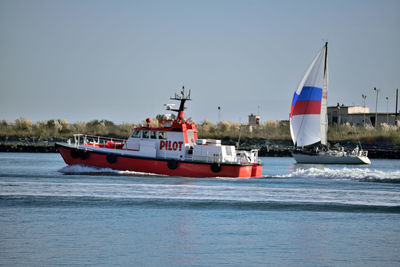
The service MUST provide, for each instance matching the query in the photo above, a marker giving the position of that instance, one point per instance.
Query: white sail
(308, 116)
(324, 102)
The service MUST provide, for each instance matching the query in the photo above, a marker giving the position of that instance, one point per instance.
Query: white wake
(346, 173)
(84, 169)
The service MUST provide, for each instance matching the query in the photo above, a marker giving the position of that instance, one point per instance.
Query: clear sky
(122, 60)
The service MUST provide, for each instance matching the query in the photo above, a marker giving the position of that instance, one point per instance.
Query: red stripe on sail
(291, 111)
(307, 108)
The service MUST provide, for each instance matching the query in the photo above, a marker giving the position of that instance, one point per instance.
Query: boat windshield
(136, 134)
(161, 135)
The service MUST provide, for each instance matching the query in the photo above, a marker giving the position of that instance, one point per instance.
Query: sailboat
(309, 119)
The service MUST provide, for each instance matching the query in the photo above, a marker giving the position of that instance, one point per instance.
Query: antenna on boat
(183, 98)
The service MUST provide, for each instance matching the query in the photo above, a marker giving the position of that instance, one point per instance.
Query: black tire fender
(111, 158)
(172, 164)
(215, 167)
(75, 153)
(83, 154)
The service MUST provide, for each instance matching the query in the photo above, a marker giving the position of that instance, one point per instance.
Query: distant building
(254, 119)
(357, 115)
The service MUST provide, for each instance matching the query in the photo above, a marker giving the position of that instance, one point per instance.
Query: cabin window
(153, 135)
(161, 135)
(136, 134)
(145, 134)
(190, 137)
(228, 151)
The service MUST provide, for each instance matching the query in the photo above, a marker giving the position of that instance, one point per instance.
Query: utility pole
(219, 113)
(387, 110)
(397, 101)
(376, 106)
(364, 97)
(396, 112)
(338, 118)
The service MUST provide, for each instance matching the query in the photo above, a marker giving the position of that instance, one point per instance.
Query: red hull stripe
(306, 108)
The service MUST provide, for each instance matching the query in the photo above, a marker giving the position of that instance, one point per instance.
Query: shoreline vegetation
(272, 138)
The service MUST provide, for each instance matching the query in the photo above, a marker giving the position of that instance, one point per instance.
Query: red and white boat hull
(72, 156)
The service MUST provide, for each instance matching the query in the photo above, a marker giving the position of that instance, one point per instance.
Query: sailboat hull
(329, 158)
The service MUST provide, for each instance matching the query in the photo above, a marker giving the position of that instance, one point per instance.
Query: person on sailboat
(355, 151)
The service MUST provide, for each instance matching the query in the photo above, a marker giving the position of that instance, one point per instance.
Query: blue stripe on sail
(310, 93)
(295, 99)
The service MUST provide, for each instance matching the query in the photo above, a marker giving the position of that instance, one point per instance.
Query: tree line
(269, 130)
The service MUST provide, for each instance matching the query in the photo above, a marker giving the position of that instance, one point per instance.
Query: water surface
(295, 215)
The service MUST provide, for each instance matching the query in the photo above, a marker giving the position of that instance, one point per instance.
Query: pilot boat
(172, 148)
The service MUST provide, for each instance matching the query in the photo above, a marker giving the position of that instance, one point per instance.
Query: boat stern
(256, 170)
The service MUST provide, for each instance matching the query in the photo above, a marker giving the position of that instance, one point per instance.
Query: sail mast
(326, 58)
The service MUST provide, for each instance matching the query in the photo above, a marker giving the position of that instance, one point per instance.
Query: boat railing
(359, 153)
(242, 157)
(354, 153)
(334, 153)
(209, 158)
(255, 155)
(98, 141)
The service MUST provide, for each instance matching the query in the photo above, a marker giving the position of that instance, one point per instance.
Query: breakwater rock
(48, 148)
(383, 152)
(29, 144)
(284, 148)
(266, 148)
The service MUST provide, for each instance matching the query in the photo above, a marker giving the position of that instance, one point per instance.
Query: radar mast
(183, 98)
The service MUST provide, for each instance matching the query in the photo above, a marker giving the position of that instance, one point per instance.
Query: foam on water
(84, 169)
(361, 174)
